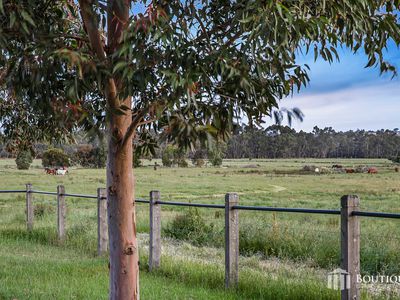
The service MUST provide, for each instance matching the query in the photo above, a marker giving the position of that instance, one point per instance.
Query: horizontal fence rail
(81, 196)
(349, 228)
(376, 214)
(12, 191)
(290, 210)
(140, 200)
(43, 192)
(191, 204)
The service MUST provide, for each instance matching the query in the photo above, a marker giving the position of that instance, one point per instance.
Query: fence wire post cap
(349, 201)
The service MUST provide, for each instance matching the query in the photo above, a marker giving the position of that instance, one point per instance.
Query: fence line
(349, 228)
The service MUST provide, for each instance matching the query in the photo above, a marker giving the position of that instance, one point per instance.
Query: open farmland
(285, 256)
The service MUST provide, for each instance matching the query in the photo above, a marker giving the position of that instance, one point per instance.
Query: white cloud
(362, 107)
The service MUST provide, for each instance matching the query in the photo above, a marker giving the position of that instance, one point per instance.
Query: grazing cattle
(56, 171)
(337, 167)
(372, 170)
(396, 169)
(50, 171)
(61, 172)
(350, 171)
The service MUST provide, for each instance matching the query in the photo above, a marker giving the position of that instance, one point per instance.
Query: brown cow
(372, 170)
(337, 167)
(50, 171)
(350, 171)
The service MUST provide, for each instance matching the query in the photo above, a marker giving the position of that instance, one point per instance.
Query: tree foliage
(192, 67)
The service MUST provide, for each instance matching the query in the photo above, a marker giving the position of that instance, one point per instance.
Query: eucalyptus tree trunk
(124, 258)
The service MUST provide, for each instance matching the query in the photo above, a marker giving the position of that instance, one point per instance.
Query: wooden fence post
(29, 207)
(61, 212)
(155, 231)
(102, 224)
(231, 241)
(350, 246)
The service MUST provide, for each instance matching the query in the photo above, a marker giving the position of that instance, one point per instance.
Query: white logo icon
(339, 279)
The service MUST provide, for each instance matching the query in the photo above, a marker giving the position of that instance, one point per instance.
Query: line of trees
(275, 141)
(284, 142)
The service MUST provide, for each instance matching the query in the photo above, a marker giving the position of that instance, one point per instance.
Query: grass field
(284, 256)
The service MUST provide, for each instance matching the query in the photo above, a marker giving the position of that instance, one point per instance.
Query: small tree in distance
(55, 157)
(186, 69)
(173, 156)
(24, 160)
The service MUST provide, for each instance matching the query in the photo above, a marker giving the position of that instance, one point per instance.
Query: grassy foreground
(34, 266)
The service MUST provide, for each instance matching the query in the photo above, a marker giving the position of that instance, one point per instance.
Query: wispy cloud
(372, 107)
(345, 95)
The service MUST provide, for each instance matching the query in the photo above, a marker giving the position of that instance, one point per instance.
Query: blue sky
(345, 95)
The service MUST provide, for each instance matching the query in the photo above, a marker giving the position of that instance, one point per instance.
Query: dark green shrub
(182, 163)
(168, 156)
(190, 227)
(24, 160)
(215, 157)
(100, 157)
(55, 157)
(198, 157)
(91, 157)
(173, 156)
(395, 159)
(136, 159)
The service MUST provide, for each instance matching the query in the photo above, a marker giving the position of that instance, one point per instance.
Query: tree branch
(91, 26)
(132, 127)
(89, 20)
(137, 121)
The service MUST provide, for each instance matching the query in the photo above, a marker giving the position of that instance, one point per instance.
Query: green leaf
(27, 17)
(12, 19)
(371, 62)
(119, 65)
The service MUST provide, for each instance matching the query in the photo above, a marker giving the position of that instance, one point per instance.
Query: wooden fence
(349, 228)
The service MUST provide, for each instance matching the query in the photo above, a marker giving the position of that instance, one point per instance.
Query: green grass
(32, 265)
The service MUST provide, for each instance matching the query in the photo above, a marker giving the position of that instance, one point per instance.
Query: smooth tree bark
(124, 258)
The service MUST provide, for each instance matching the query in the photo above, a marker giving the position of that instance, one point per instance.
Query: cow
(350, 171)
(50, 171)
(337, 167)
(56, 171)
(61, 172)
(372, 170)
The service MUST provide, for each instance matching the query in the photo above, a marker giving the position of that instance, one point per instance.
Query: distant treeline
(273, 142)
(284, 142)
